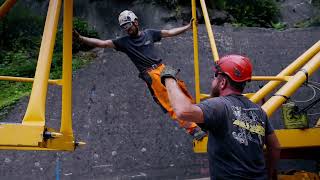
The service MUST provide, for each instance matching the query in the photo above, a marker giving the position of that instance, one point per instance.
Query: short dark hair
(236, 85)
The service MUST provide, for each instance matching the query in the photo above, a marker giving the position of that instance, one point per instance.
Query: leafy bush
(315, 21)
(84, 29)
(261, 13)
(316, 3)
(21, 33)
(20, 28)
(253, 12)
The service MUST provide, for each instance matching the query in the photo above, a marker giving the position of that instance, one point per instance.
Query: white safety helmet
(126, 16)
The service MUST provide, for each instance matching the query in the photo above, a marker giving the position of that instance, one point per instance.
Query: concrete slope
(128, 136)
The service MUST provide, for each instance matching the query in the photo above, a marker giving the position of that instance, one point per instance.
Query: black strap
(306, 73)
(286, 97)
(309, 106)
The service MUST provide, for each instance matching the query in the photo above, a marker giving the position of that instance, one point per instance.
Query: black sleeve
(155, 34)
(118, 44)
(268, 128)
(212, 112)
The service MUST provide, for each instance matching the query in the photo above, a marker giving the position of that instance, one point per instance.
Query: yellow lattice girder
(288, 138)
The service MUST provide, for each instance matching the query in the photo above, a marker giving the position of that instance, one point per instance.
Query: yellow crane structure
(32, 134)
(295, 143)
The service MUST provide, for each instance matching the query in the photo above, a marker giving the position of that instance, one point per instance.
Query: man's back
(237, 130)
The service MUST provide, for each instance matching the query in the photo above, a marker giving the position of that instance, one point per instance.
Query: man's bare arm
(97, 42)
(93, 41)
(182, 106)
(176, 31)
(273, 153)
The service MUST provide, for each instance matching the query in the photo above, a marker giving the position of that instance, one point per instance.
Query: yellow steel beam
(255, 78)
(196, 52)
(210, 31)
(6, 6)
(59, 81)
(288, 138)
(289, 70)
(33, 137)
(298, 138)
(270, 78)
(31, 134)
(66, 115)
(35, 113)
(22, 79)
(291, 86)
(206, 96)
(20, 135)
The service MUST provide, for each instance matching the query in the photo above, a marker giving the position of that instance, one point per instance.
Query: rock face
(294, 11)
(127, 135)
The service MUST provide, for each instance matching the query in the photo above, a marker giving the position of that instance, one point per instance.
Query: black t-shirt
(237, 131)
(140, 49)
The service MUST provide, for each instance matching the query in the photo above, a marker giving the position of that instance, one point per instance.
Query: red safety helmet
(238, 68)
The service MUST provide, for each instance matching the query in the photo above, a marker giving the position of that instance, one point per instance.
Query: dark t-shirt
(140, 49)
(237, 131)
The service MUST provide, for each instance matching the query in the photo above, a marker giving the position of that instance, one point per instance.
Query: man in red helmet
(139, 46)
(238, 129)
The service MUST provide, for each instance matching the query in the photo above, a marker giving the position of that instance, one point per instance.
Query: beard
(133, 32)
(215, 92)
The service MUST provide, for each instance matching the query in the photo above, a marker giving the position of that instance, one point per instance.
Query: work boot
(198, 134)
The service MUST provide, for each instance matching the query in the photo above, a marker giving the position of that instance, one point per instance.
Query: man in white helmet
(139, 46)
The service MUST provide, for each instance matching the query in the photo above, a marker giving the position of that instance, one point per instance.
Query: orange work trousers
(160, 95)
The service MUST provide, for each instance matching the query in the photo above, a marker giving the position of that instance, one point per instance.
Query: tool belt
(153, 66)
(145, 72)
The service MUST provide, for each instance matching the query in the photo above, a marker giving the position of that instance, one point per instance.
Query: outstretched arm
(182, 106)
(176, 31)
(93, 41)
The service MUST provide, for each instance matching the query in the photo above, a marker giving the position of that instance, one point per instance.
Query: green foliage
(308, 23)
(259, 13)
(85, 30)
(21, 32)
(17, 63)
(20, 29)
(316, 3)
(12, 92)
(279, 26)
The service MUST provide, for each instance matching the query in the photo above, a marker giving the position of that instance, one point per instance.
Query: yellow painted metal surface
(6, 6)
(291, 86)
(206, 96)
(32, 134)
(31, 137)
(288, 138)
(289, 70)
(297, 138)
(66, 115)
(20, 135)
(270, 78)
(30, 80)
(209, 30)
(35, 113)
(195, 52)
(200, 146)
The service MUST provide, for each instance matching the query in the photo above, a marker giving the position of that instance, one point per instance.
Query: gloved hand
(168, 72)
